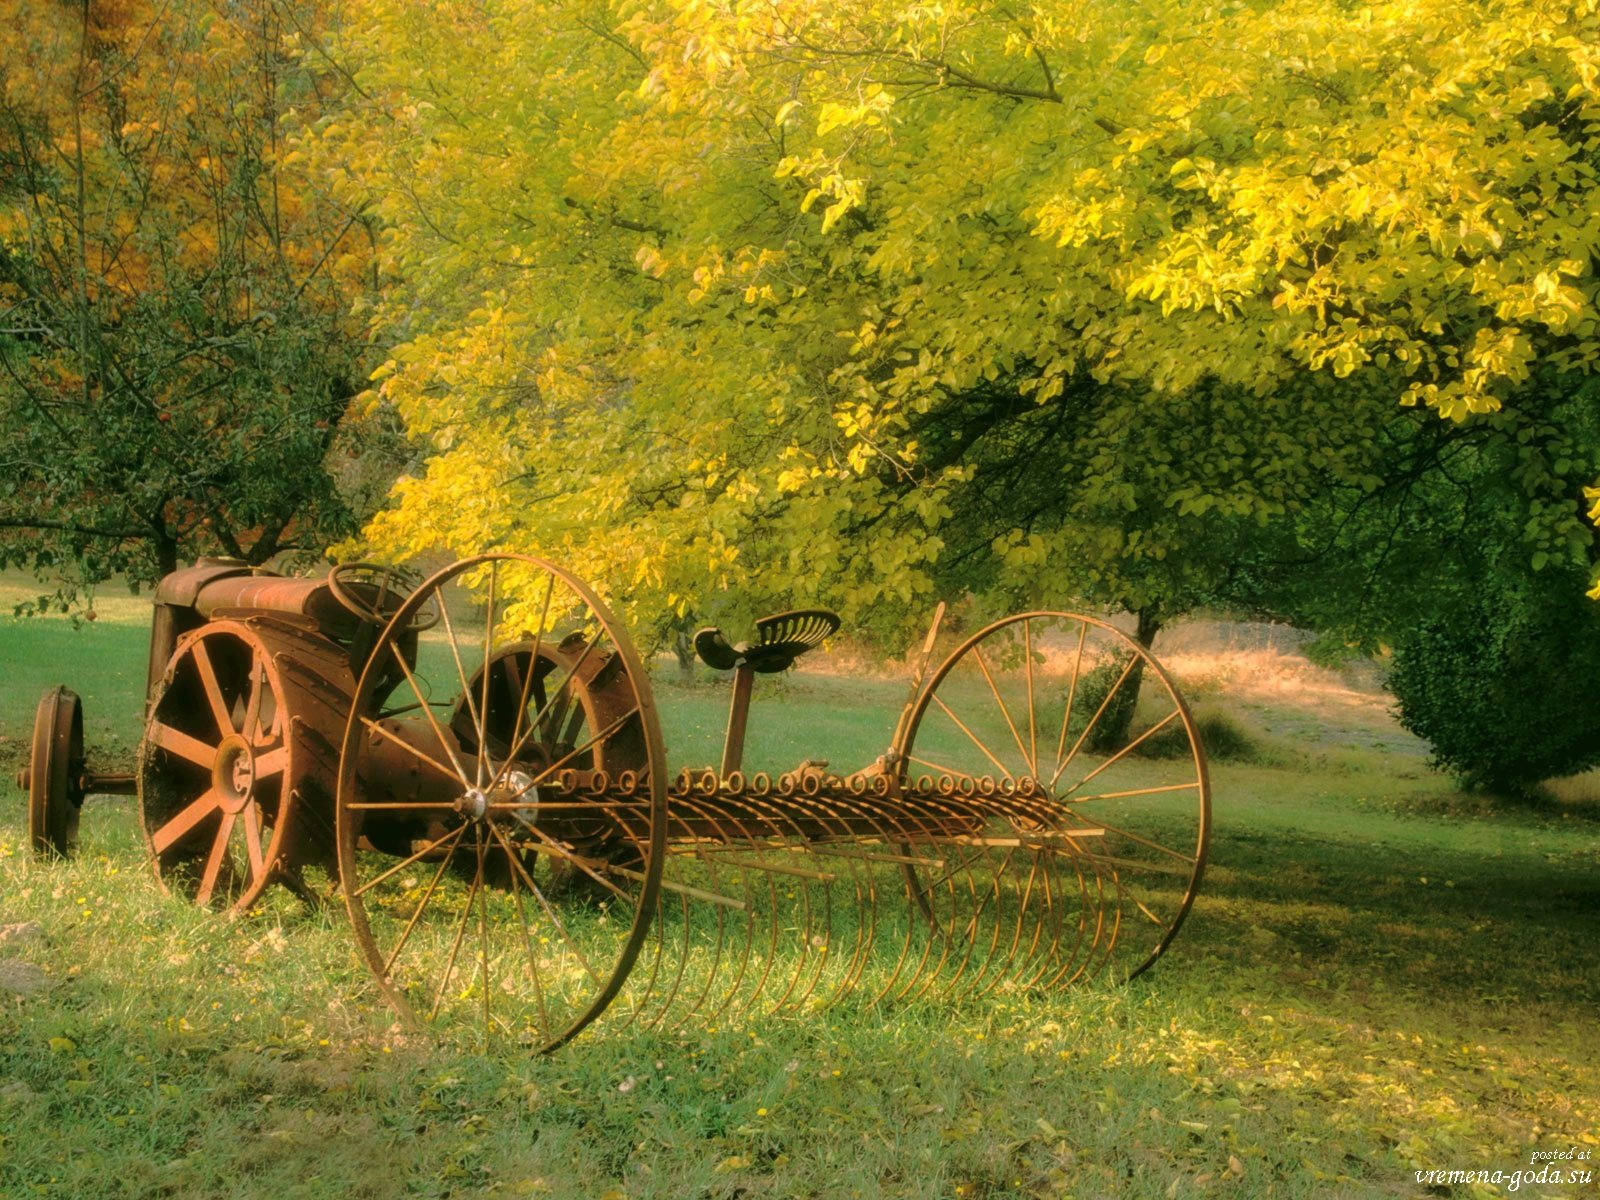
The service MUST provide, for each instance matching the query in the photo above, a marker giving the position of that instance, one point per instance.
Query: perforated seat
(780, 639)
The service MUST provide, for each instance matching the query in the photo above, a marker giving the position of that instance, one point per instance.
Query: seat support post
(738, 713)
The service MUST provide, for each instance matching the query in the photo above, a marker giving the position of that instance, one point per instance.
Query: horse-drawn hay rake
(476, 764)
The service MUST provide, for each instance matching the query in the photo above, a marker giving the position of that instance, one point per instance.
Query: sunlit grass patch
(1361, 992)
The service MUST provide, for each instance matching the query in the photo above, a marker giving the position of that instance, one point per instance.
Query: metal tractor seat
(780, 639)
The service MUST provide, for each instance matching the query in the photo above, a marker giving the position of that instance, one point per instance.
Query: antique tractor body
(476, 764)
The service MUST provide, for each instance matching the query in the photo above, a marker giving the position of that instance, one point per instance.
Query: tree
(177, 350)
(858, 302)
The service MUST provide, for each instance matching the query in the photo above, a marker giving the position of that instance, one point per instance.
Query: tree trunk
(683, 647)
(166, 553)
(1116, 722)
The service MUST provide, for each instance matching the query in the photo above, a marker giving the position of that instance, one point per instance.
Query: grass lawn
(1379, 978)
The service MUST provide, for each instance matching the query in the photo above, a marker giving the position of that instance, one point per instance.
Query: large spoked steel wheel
(1087, 850)
(502, 804)
(217, 767)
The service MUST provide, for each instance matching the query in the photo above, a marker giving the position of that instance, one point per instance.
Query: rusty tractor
(475, 764)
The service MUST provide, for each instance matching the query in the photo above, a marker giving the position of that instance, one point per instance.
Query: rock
(17, 1095)
(24, 931)
(21, 978)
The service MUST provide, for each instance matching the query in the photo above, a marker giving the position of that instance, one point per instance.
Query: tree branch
(73, 527)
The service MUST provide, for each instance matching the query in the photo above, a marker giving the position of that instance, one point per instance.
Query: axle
(92, 783)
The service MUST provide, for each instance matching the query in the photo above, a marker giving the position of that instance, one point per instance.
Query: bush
(1223, 738)
(1502, 687)
(1094, 686)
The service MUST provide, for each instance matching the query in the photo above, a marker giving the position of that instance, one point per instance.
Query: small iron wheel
(455, 841)
(217, 767)
(1101, 803)
(55, 772)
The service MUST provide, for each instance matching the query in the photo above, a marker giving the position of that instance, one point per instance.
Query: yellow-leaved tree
(732, 304)
(178, 350)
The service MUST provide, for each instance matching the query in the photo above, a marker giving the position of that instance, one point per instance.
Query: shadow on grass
(1457, 926)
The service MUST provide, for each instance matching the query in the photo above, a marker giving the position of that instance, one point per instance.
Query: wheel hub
(233, 773)
(474, 804)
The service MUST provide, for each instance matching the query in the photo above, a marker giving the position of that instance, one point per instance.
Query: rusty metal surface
(478, 768)
(182, 587)
(521, 711)
(235, 766)
(498, 848)
(53, 775)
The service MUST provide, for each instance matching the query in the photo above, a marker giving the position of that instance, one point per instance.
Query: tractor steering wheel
(374, 592)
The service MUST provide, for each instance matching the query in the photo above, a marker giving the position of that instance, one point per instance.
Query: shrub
(1502, 687)
(1094, 686)
(1223, 738)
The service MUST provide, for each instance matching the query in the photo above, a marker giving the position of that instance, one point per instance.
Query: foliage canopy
(176, 335)
(966, 293)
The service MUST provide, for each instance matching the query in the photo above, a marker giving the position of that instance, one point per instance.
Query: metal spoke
(580, 806)
(219, 848)
(466, 687)
(176, 742)
(1072, 693)
(533, 959)
(252, 839)
(542, 713)
(444, 863)
(162, 839)
(414, 751)
(945, 708)
(1133, 864)
(411, 806)
(427, 710)
(605, 733)
(488, 645)
(977, 655)
(483, 946)
(1149, 791)
(1128, 749)
(466, 912)
(1133, 837)
(551, 846)
(516, 864)
(271, 763)
(1095, 720)
(1033, 731)
(406, 862)
(213, 689)
(533, 662)
(251, 726)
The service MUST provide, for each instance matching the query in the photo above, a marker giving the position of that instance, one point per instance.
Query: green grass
(1372, 982)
